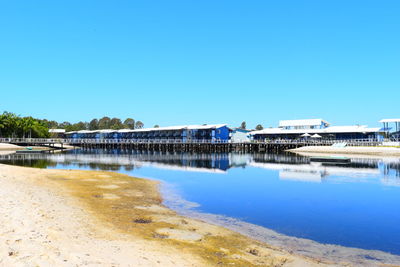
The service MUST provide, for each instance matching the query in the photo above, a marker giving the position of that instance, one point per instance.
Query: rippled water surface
(355, 205)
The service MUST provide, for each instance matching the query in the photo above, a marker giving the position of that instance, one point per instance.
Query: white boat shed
(296, 129)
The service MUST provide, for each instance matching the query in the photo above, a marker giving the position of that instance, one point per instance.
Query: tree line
(99, 124)
(15, 126)
(12, 125)
(243, 126)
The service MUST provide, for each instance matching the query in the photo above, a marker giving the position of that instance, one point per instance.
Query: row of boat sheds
(287, 129)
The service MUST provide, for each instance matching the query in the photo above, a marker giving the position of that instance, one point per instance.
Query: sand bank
(7, 148)
(87, 218)
(10, 147)
(376, 151)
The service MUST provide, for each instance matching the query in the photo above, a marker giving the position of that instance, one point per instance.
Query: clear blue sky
(180, 62)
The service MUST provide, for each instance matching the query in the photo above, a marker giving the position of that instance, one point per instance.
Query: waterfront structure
(185, 133)
(388, 130)
(316, 128)
(57, 133)
(239, 135)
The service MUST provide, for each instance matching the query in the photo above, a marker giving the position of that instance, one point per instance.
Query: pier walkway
(189, 145)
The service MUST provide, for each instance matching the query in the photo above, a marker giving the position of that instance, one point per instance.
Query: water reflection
(290, 166)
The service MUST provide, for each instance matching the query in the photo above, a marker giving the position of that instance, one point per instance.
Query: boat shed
(213, 132)
(57, 133)
(301, 129)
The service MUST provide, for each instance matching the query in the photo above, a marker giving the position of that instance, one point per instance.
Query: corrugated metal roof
(182, 127)
(167, 128)
(105, 131)
(125, 130)
(56, 130)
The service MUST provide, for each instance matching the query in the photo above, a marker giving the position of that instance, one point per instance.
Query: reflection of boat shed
(300, 129)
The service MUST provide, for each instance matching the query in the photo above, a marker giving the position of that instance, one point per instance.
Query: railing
(303, 142)
(108, 141)
(34, 140)
(321, 142)
(146, 141)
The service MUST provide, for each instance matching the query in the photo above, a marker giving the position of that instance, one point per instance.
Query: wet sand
(88, 218)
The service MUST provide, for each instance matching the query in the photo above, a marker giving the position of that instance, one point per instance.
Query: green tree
(116, 124)
(156, 126)
(12, 125)
(129, 123)
(81, 126)
(104, 123)
(243, 125)
(259, 127)
(64, 125)
(94, 124)
(139, 125)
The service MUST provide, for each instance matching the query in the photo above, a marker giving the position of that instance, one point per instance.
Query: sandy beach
(376, 151)
(10, 147)
(87, 218)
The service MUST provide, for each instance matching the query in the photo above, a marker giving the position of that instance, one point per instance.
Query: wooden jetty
(214, 146)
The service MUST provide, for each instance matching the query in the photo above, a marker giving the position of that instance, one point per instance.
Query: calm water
(354, 205)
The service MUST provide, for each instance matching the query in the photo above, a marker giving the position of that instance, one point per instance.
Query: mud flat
(90, 218)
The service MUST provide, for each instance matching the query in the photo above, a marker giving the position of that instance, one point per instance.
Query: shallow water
(353, 205)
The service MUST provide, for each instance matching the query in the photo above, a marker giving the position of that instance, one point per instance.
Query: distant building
(303, 124)
(316, 128)
(239, 135)
(57, 133)
(389, 131)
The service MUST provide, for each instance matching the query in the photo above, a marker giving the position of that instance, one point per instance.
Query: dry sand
(376, 151)
(86, 218)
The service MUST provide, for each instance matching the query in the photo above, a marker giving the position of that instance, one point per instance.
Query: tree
(139, 125)
(64, 125)
(156, 126)
(129, 123)
(12, 125)
(116, 124)
(259, 127)
(104, 123)
(81, 126)
(93, 124)
(243, 125)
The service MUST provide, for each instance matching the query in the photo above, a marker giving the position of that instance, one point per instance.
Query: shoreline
(355, 151)
(10, 148)
(106, 218)
(295, 245)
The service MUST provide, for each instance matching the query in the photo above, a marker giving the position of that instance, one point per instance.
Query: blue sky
(193, 62)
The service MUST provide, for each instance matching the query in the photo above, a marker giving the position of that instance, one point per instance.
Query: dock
(201, 145)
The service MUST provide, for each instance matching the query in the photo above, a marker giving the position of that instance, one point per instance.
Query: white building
(296, 129)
